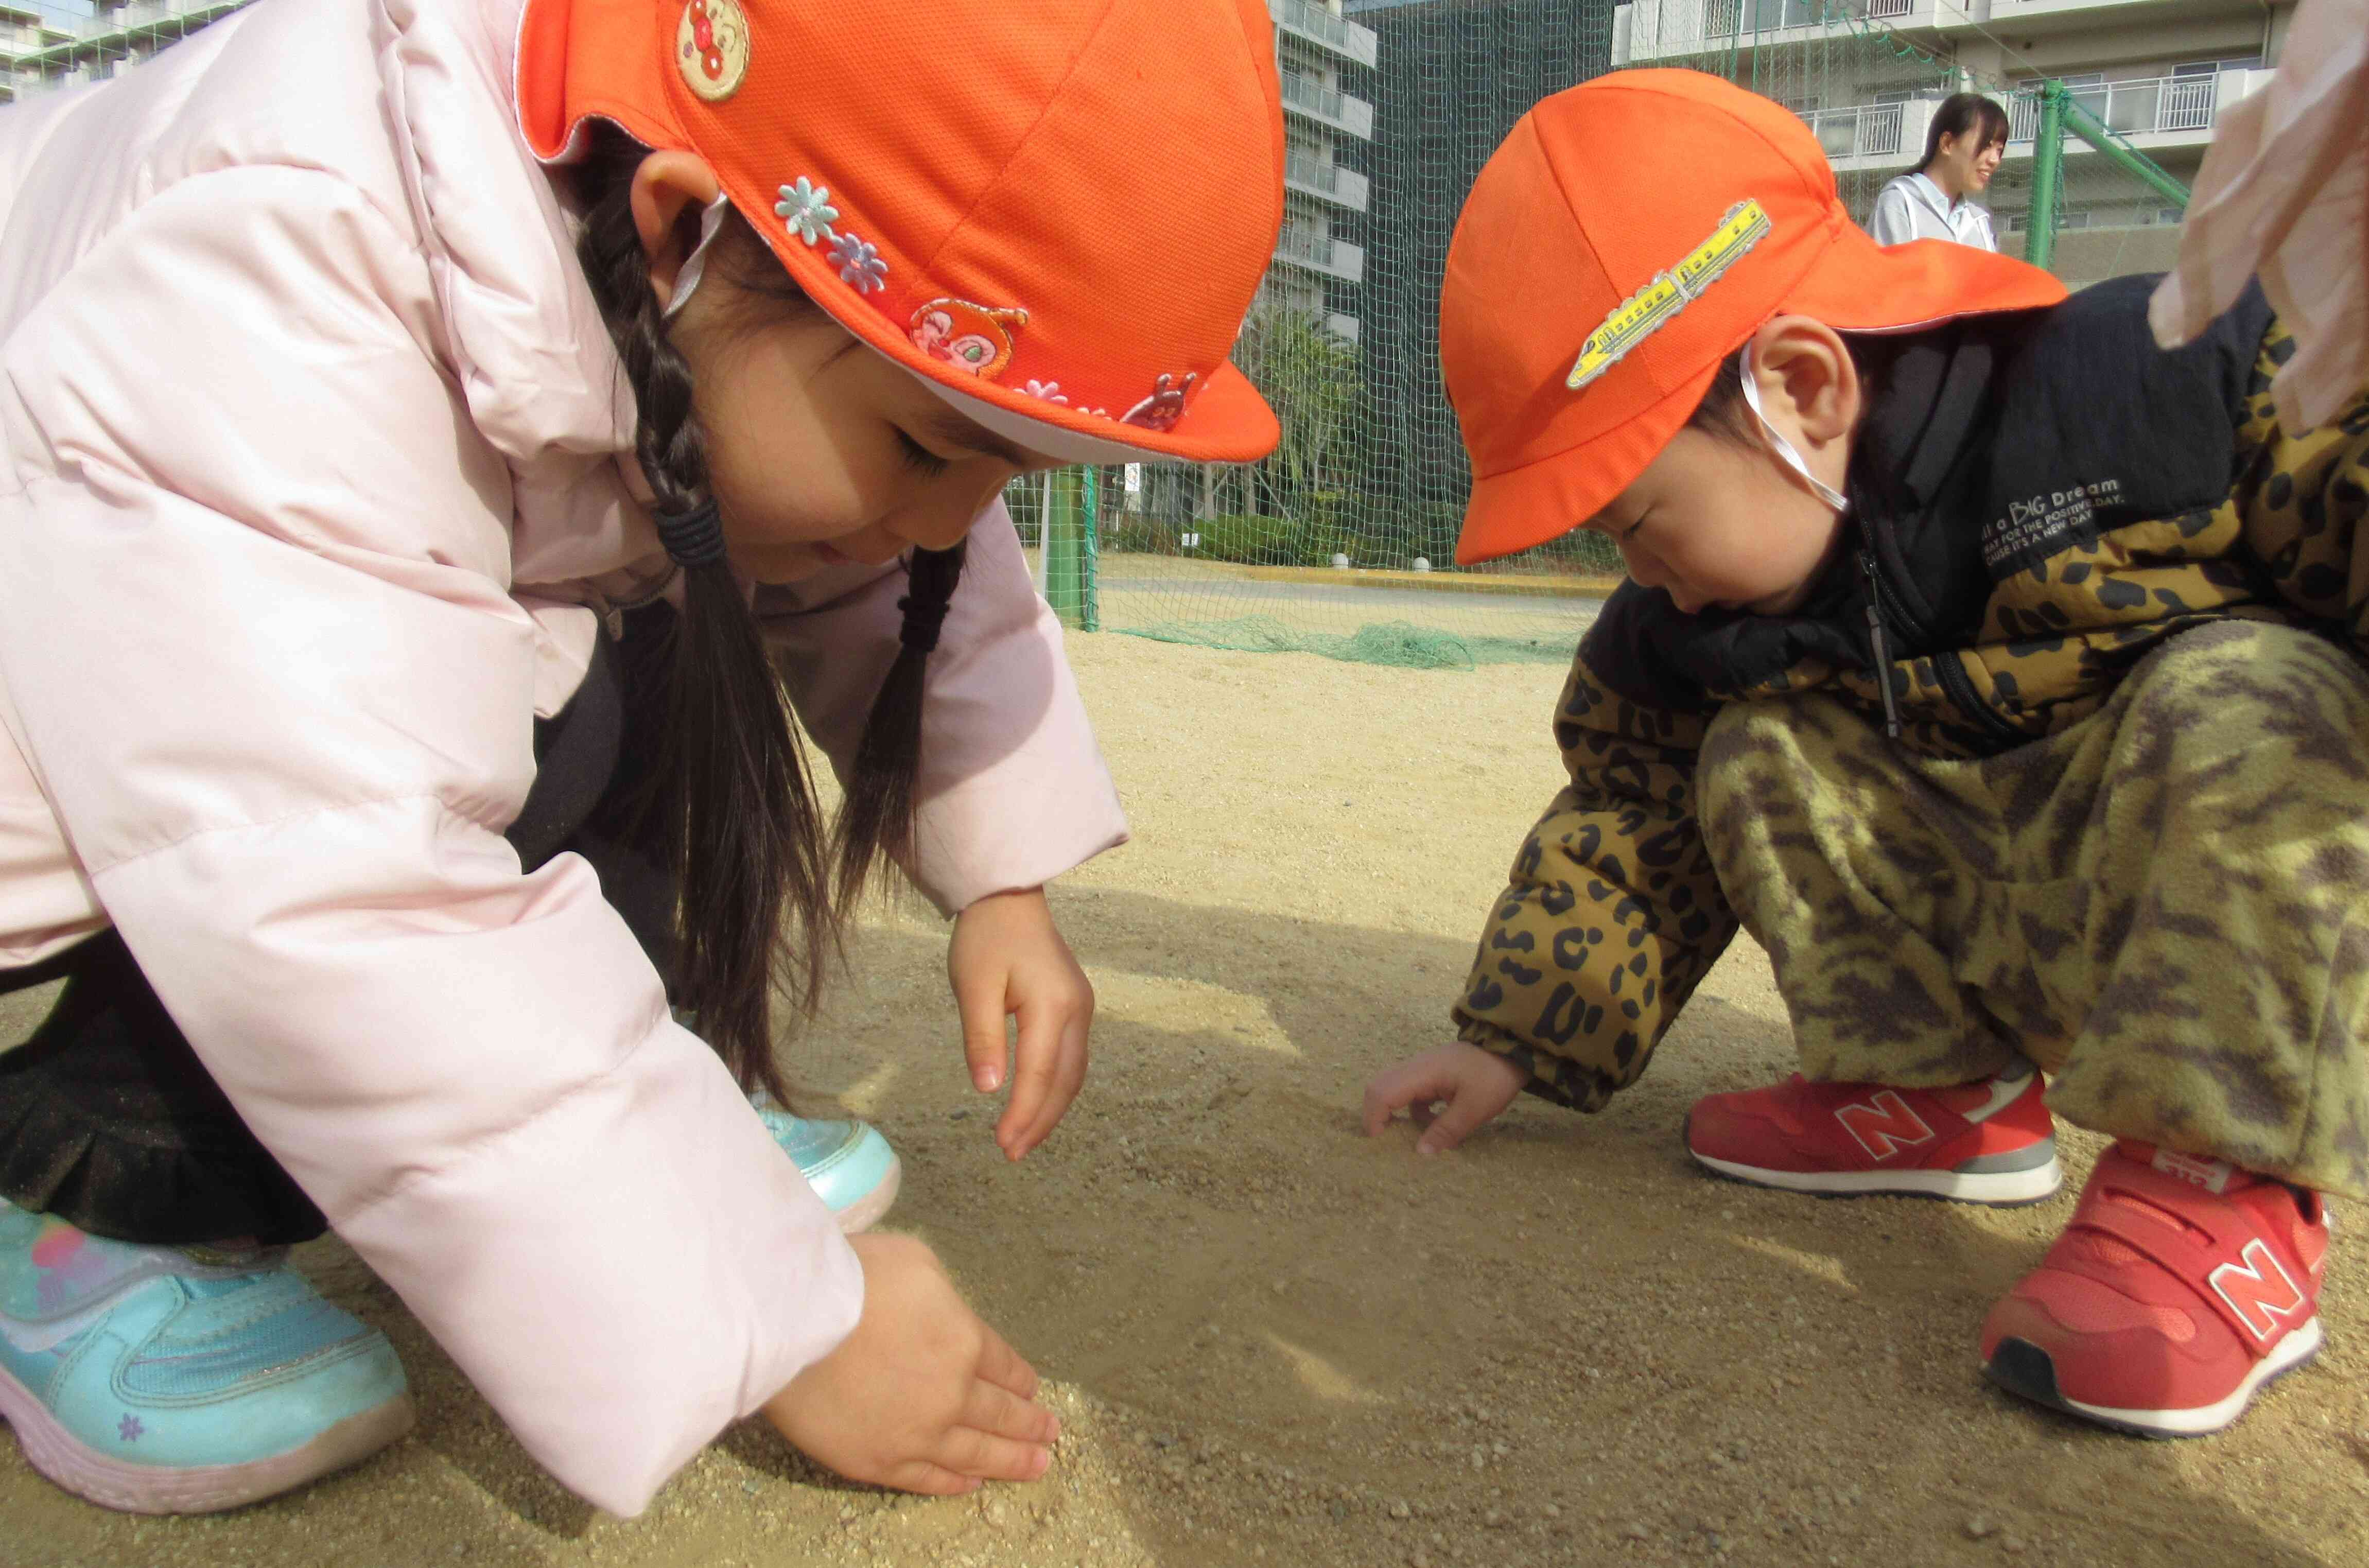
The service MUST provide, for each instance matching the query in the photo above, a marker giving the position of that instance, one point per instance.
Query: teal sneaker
(149, 1379)
(849, 1164)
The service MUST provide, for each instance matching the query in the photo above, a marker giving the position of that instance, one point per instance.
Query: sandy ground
(1278, 1342)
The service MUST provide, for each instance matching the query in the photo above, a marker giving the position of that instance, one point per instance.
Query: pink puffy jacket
(311, 426)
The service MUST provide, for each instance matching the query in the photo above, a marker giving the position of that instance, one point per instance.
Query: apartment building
(44, 47)
(1321, 57)
(2159, 71)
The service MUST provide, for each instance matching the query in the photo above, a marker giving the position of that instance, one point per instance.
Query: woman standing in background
(1962, 152)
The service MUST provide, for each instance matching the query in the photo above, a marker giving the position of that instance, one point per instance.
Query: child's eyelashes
(919, 458)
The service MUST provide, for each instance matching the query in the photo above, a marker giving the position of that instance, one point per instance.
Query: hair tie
(922, 626)
(695, 538)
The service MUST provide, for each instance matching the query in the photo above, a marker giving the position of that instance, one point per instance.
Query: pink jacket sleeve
(2283, 196)
(254, 629)
(1014, 790)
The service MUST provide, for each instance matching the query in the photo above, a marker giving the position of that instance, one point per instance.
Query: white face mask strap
(1783, 447)
(694, 267)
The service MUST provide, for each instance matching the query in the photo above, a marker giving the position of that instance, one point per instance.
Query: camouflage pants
(2166, 904)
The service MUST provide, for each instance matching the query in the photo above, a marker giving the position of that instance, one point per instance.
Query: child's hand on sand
(922, 1396)
(1474, 1084)
(1008, 957)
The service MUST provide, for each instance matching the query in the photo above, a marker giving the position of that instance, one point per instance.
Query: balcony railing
(1313, 20)
(1656, 29)
(1336, 259)
(1867, 130)
(1320, 27)
(2136, 108)
(1320, 177)
(1312, 97)
(1315, 96)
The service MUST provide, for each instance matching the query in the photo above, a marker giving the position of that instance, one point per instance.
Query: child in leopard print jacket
(2000, 673)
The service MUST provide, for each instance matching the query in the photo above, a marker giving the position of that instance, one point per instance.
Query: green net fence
(1343, 542)
(46, 45)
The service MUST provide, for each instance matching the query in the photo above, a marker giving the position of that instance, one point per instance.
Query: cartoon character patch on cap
(1651, 308)
(1165, 405)
(711, 48)
(972, 337)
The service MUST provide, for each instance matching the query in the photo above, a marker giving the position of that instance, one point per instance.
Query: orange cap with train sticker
(1625, 238)
(952, 206)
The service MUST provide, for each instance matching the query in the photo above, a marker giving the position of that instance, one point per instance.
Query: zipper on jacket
(1876, 643)
(1961, 688)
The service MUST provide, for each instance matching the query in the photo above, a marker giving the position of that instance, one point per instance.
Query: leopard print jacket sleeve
(1612, 913)
(2303, 502)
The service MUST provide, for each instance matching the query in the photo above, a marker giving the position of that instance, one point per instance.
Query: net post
(2047, 171)
(1063, 535)
(1089, 607)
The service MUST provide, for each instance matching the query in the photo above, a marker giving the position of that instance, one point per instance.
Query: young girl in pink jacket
(433, 425)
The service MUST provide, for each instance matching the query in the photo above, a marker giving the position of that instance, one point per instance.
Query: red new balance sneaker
(1989, 1142)
(2180, 1288)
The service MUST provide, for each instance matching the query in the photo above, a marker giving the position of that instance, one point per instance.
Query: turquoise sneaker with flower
(165, 1380)
(847, 1163)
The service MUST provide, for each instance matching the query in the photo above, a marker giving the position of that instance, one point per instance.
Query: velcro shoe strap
(2194, 1260)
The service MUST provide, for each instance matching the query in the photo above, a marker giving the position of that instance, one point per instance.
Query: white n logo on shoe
(2247, 1287)
(1884, 1125)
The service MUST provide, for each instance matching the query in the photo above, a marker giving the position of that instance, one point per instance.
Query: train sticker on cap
(711, 48)
(1648, 310)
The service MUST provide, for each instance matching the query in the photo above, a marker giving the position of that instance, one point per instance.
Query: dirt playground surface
(1277, 1342)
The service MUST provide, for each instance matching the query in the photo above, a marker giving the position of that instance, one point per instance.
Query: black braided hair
(730, 802)
(878, 817)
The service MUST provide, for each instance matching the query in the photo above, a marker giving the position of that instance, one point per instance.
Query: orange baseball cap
(1057, 212)
(1627, 236)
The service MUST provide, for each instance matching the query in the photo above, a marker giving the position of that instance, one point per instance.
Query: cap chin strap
(1784, 448)
(694, 266)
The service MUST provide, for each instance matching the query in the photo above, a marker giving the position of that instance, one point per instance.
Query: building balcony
(1644, 31)
(2156, 113)
(126, 13)
(1326, 182)
(1336, 258)
(2034, 17)
(1336, 35)
(1328, 107)
(1869, 135)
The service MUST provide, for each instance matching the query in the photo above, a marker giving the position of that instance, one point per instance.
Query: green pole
(1090, 605)
(2084, 124)
(1063, 535)
(2047, 171)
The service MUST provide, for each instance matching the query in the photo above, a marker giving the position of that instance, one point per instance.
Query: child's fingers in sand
(1050, 1068)
(1475, 1085)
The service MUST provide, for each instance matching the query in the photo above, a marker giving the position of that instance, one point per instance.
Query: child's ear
(668, 189)
(1804, 365)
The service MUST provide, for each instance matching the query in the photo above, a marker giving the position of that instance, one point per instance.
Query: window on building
(2215, 67)
(1767, 16)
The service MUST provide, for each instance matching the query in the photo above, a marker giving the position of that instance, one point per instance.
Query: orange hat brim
(1856, 285)
(578, 62)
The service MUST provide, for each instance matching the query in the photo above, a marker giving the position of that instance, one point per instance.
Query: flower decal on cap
(711, 48)
(1051, 391)
(1165, 405)
(858, 263)
(805, 207)
(970, 337)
